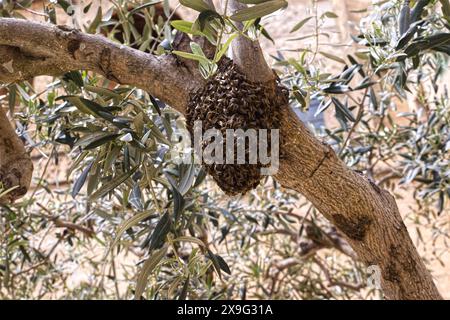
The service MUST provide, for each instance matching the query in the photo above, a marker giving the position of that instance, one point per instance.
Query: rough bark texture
(367, 215)
(364, 213)
(248, 54)
(16, 167)
(30, 48)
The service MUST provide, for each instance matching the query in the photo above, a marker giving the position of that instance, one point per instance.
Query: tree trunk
(16, 167)
(367, 215)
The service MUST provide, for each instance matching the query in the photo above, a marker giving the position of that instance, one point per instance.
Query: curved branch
(247, 54)
(30, 48)
(367, 215)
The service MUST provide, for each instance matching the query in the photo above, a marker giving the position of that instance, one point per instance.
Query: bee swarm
(229, 101)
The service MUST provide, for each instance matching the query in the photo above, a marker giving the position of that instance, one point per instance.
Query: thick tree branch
(16, 65)
(367, 215)
(30, 48)
(16, 168)
(247, 54)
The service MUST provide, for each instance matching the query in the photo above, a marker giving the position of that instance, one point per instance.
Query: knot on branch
(229, 101)
(73, 37)
(14, 177)
(64, 31)
(355, 228)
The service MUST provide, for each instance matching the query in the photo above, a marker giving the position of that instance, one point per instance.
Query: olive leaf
(197, 5)
(344, 109)
(150, 264)
(162, 228)
(299, 25)
(81, 180)
(259, 10)
(133, 221)
(143, 6)
(108, 187)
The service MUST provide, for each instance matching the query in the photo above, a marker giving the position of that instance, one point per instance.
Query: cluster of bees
(230, 101)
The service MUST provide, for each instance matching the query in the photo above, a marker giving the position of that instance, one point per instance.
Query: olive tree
(180, 69)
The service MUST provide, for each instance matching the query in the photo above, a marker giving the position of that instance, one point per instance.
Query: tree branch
(247, 54)
(30, 48)
(60, 223)
(367, 215)
(16, 168)
(334, 283)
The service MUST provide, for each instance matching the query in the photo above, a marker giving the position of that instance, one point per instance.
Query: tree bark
(16, 168)
(367, 215)
(31, 48)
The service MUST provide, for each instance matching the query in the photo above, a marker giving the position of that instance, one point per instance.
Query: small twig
(59, 223)
(332, 282)
(358, 120)
(113, 267)
(31, 11)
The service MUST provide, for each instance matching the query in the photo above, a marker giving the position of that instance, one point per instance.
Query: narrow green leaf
(404, 20)
(143, 6)
(330, 15)
(252, 1)
(344, 109)
(191, 56)
(225, 47)
(337, 89)
(299, 25)
(101, 141)
(184, 291)
(162, 228)
(104, 92)
(259, 10)
(332, 57)
(187, 179)
(136, 197)
(185, 27)
(147, 268)
(418, 9)
(196, 49)
(86, 8)
(96, 22)
(91, 138)
(190, 239)
(81, 180)
(133, 221)
(105, 189)
(215, 263)
(197, 5)
(200, 178)
(223, 265)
